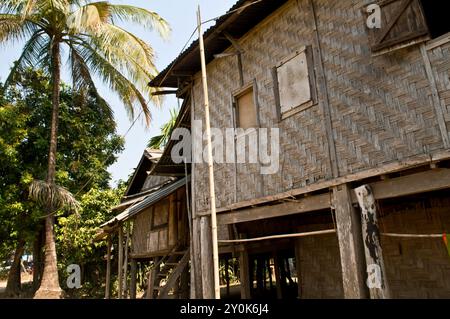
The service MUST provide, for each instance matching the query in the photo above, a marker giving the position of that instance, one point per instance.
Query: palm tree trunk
(14, 279)
(49, 287)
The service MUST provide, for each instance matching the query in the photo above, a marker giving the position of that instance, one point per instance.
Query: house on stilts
(359, 204)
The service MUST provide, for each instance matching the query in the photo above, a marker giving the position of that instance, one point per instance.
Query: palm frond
(53, 196)
(89, 18)
(35, 53)
(156, 142)
(125, 89)
(14, 28)
(144, 17)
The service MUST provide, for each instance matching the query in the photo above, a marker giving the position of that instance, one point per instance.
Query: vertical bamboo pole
(108, 269)
(377, 282)
(120, 262)
(212, 195)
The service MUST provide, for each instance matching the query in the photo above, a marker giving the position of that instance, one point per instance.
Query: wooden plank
(437, 103)
(244, 275)
(276, 92)
(432, 180)
(120, 263)
(152, 275)
(174, 276)
(377, 281)
(206, 259)
(133, 273)
(350, 244)
(125, 263)
(306, 204)
(196, 246)
(108, 268)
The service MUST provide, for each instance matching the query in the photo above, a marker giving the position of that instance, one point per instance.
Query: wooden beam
(174, 276)
(120, 263)
(377, 281)
(439, 107)
(428, 181)
(324, 104)
(125, 263)
(306, 204)
(350, 245)
(108, 269)
(392, 167)
(133, 272)
(197, 260)
(206, 258)
(244, 274)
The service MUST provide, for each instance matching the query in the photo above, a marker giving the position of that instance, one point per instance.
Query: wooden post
(377, 282)
(133, 272)
(196, 258)
(227, 275)
(277, 275)
(350, 245)
(120, 262)
(108, 269)
(244, 275)
(297, 265)
(151, 279)
(207, 260)
(125, 263)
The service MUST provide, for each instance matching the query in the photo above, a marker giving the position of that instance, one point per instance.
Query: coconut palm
(97, 48)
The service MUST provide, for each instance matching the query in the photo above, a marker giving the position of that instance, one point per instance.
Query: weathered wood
(174, 276)
(206, 259)
(350, 245)
(120, 263)
(125, 263)
(244, 274)
(393, 167)
(152, 275)
(278, 275)
(227, 276)
(108, 268)
(196, 246)
(298, 261)
(307, 204)
(377, 281)
(133, 273)
(439, 107)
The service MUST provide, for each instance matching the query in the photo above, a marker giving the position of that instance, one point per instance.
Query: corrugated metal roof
(235, 23)
(146, 202)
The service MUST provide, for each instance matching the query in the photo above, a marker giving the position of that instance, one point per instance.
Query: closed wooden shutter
(403, 23)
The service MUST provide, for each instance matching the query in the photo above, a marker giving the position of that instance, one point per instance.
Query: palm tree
(96, 46)
(160, 141)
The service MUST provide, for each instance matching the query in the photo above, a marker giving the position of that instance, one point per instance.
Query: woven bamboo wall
(417, 267)
(320, 267)
(381, 107)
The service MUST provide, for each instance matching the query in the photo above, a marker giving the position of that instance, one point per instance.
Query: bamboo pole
(313, 233)
(212, 195)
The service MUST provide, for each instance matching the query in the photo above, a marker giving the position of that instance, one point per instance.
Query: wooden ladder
(165, 274)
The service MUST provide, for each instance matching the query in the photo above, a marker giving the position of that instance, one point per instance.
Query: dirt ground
(26, 279)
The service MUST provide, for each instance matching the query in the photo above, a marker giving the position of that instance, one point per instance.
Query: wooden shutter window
(246, 110)
(403, 23)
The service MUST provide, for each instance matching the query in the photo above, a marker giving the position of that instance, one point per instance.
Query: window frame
(235, 103)
(307, 50)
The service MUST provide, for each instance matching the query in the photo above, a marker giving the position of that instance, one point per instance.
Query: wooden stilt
(350, 244)
(244, 275)
(278, 276)
(125, 263)
(227, 275)
(133, 273)
(196, 258)
(151, 279)
(120, 263)
(207, 260)
(377, 282)
(298, 268)
(108, 269)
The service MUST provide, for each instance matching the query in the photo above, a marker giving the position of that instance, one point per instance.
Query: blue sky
(181, 14)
